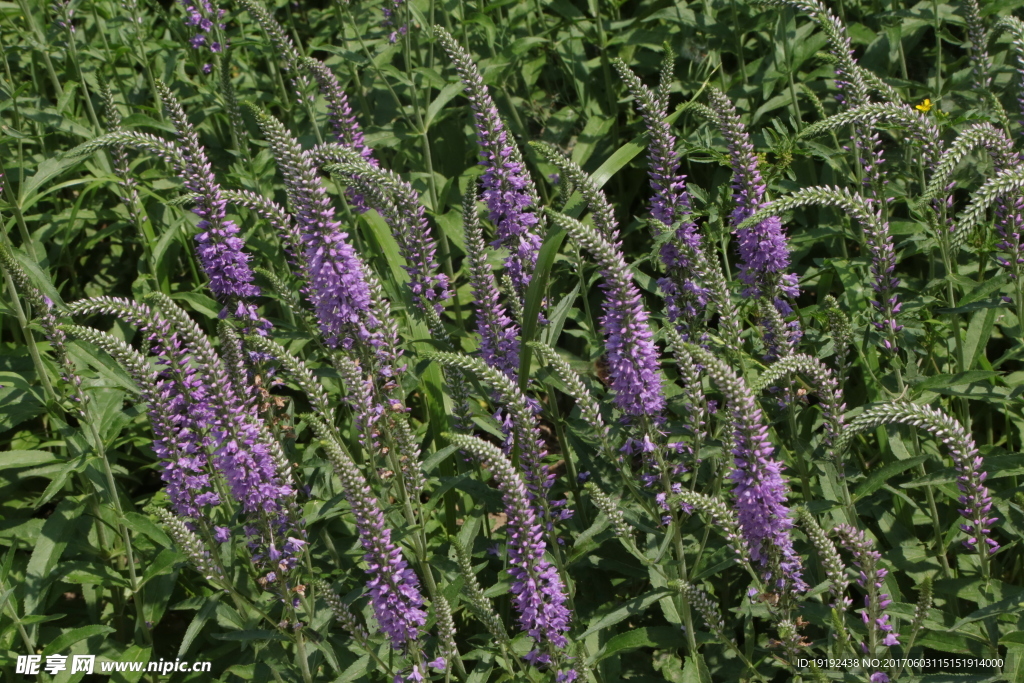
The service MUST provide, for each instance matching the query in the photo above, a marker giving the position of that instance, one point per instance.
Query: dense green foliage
(91, 562)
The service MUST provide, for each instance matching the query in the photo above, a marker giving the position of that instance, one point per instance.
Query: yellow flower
(925, 106)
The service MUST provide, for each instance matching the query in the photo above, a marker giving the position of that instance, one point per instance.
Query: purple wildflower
(65, 15)
(181, 415)
(760, 490)
(508, 190)
(343, 122)
(537, 590)
(629, 342)
(337, 280)
(201, 17)
(870, 578)
(670, 205)
(366, 411)
(390, 21)
(499, 334)
(218, 245)
(1009, 225)
(285, 52)
(1015, 27)
(393, 587)
(400, 206)
(764, 252)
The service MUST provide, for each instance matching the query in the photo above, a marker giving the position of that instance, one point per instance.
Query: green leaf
(68, 638)
(58, 480)
(47, 170)
(637, 605)
(381, 232)
(144, 525)
(556, 320)
(446, 95)
(57, 531)
(1007, 606)
(250, 635)
(89, 574)
(535, 297)
(360, 670)
(661, 637)
(978, 333)
(985, 289)
(198, 621)
(696, 670)
(880, 477)
(436, 458)
(959, 379)
(200, 303)
(136, 653)
(13, 459)
(997, 466)
(162, 564)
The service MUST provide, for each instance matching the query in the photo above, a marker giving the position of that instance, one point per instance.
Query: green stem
(33, 350)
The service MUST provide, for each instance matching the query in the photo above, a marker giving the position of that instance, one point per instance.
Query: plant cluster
(324, 376)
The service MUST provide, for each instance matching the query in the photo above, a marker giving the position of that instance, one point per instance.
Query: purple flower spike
(760, 490)
(1009, 225)
(218, 245)
(499, 334)
(975, 497)
(632, 355)
(343, 122)
(400, 207)
(337, 279)
(670, 205)
(537, 590)
(390, 21)
(393, 587)
(866, 559)
(200, 17)
(764, 252)
(508, 190)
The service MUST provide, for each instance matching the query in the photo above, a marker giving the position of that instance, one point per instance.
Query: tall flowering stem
(601, 211)
(877, 236)
(823, 383)
(336, 278)
(880, 631)
(249, 458)
(1015, 27)
(670, 206)
(218, 245)
(178, 404)
(393, 587)
(508, 190)
(764, 251)
(521, 431)
(499, 334)
(195, 427)
(978, 36)
(343, 122)
(400, 206)
(632, 355)
(538, 594)
(760, 491)
(203, 19)
(344, 125)
(974, 495)
(287, 54)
